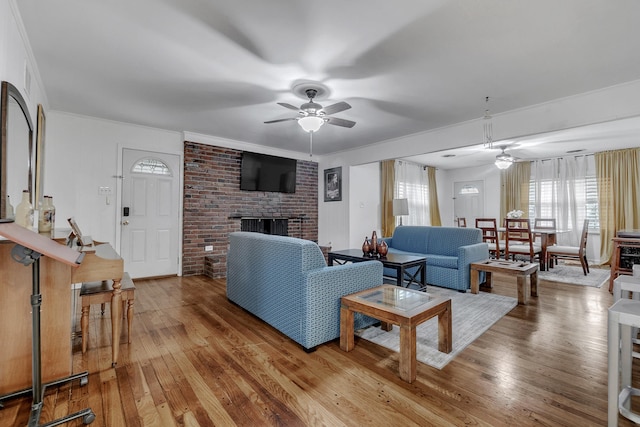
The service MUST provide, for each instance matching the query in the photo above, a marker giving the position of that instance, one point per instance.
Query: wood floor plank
(198, 360)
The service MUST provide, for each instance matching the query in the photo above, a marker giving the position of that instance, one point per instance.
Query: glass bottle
(24, 211)
(9, 214)
(46, 215)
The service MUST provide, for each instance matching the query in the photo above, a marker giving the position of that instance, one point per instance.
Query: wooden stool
(100, 293)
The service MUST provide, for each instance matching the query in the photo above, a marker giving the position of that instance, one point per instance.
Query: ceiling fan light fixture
(503, 160)
(310, 123)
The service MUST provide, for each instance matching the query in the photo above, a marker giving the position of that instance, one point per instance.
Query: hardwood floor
(198, 360)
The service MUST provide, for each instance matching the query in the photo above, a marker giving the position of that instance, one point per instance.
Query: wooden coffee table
(512, 268)
(407, 308)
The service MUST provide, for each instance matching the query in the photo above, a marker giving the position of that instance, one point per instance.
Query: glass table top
(397, 297)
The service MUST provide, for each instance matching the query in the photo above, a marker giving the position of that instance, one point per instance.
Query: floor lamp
(400, 207)
(30, 246)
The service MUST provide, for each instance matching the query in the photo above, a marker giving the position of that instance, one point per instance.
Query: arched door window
(151, 166)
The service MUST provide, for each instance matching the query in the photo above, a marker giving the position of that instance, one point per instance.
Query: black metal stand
(28, 256)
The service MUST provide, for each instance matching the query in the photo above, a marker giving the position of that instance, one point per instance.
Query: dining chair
(519, 241)
(462, 222)
(572, 252)
(490, 236)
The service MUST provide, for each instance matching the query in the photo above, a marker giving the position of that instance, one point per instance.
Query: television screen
(261, 172)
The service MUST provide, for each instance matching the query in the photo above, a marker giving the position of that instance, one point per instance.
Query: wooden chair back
(462, 222)
(489, 229)
(519, 239)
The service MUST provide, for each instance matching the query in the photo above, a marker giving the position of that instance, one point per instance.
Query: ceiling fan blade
(289, 106)
(282, 120)
(340, 122)
(336, 108)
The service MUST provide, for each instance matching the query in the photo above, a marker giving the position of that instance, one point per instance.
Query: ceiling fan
(312, 115)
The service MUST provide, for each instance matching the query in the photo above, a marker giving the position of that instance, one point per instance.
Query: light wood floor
(198, 360)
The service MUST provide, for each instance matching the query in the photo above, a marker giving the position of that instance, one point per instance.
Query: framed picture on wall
(333, 184)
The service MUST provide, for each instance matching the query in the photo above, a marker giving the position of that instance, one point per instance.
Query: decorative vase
(366, 246)
(383, 248)
(374, 243)
(24, 211)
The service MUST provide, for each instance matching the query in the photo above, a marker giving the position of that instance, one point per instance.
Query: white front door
(150, 213)
(468, 201)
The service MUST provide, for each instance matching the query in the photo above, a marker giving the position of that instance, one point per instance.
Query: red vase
(383, 248)
(366, 246)
(374, 242)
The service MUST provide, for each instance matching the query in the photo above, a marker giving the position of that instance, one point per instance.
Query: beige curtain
(434, 208)
(618, 185)
(387, 185)
(514, 189)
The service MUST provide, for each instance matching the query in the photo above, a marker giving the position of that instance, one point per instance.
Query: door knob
(125, 222)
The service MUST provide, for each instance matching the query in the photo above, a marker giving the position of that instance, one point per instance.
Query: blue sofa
(286, 282)
(449, 252)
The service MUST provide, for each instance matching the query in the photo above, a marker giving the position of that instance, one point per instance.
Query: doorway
(150, 205)
(468, 201)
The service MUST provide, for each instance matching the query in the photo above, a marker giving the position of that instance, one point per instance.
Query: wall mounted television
(262, 172)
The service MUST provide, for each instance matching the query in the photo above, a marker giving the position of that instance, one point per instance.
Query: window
(151, 166)
(584, 192)
(412, 183)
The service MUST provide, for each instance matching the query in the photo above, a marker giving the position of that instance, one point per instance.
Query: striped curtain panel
(387, 186)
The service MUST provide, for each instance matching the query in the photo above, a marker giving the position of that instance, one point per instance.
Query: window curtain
(411, 183)
(560, 192)
(434, 207)
(514, 186)
(387, 176)
(618, 185)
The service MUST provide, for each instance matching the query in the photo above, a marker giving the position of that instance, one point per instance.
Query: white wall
(83, 154)
(16, 58)
(364, 204)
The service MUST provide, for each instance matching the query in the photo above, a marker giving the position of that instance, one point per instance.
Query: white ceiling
(219, 67)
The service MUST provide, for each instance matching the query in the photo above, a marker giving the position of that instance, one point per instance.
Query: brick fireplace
(214, 206)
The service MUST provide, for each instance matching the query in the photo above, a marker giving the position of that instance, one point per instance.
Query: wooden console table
(15, 312)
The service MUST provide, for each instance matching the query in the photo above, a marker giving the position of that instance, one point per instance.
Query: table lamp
(400, 207)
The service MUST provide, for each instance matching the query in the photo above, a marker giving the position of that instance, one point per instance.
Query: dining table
(548, 236)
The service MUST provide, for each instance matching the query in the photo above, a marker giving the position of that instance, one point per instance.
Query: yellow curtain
(387, 185)
(618, 185)
(434, 208)
(514, 189)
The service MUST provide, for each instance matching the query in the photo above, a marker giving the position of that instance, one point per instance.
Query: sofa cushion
(447, 240)
(442, 261)
(410, 239)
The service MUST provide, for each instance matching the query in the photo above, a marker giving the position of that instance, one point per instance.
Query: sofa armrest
(322, 292)
(348, 278)
(472, 253)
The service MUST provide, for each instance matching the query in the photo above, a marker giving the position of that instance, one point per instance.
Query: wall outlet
(208, 248)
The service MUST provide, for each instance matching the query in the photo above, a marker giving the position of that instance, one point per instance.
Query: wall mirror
(16, 148)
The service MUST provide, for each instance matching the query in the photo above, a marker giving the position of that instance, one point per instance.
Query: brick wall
(214, 203)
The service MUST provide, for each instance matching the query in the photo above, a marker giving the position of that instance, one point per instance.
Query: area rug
(573, 275)
(473, 314)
